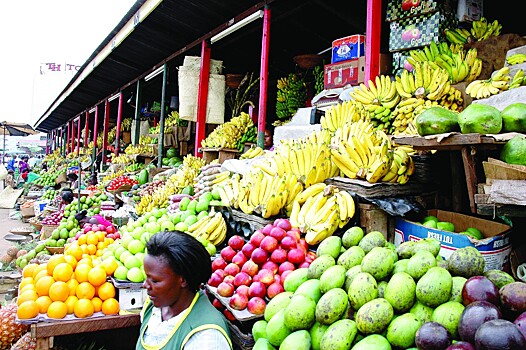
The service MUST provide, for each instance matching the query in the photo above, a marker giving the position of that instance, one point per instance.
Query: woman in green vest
(177, 314)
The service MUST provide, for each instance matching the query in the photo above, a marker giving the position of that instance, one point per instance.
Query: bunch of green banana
(318, 79)
(228, 134)
(516, 58)
(339, 114)
(211, 227)
(291, 95)
(401, 167)
(251, 135)
(499, 81)
(461, 65)
(320, 210)
(134, 167)
(459, 36)
(252, 152)
(517, 80)
(423, 82)
(482, 29)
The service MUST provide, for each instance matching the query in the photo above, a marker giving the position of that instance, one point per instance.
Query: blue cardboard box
(495, 247)
(348, 48)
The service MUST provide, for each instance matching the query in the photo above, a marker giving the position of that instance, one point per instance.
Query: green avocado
(436, 120)
(480, 118)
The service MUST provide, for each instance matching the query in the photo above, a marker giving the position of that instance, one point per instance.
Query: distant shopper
(268, 140)
(11, 165)
(23, 167)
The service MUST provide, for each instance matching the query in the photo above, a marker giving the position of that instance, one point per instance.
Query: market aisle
(7, 224)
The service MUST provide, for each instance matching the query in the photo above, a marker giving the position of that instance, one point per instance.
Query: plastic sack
(405, 207)
(32, 177)
(3, 172)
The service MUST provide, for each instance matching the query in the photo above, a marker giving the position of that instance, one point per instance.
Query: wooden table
(467, 144)
(44, 332)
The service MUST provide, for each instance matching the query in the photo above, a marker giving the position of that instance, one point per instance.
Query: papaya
(143, 177)
(514, 150)
(480, 118)
(514, 117)
(436, 120)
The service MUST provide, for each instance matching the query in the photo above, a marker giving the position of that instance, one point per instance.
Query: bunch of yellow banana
(252, 152)
(227, 134)
(402, 166)
(518, 79)
(160, 198)
(482, 29)
(147, 140)
(499, 81)
(120, 159)
(211, 227)
(229, 190)
(186, 173)
(320, 210)
(126, 124)
(516, 58)
(338, 115)
(111, 175)
(404, 114)
(424, 82)
(382, 91)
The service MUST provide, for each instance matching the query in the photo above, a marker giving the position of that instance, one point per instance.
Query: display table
(44, 332)
(467, 144)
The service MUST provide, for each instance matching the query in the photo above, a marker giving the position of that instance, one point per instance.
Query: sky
(36, 32)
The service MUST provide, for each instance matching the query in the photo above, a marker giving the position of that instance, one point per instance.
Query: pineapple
(26, 342)
(5, 259)
(10, 330)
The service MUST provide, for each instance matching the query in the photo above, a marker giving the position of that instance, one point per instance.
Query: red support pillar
(202, 97)
(96, 127)
(105, 131)
(68, 137)
(372, 39)
(72, 135)
(263, 84)
(78, 136)
(86, 128)
(118, 131)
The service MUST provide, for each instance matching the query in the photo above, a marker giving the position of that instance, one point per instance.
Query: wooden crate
(372, 218)
(222, 154)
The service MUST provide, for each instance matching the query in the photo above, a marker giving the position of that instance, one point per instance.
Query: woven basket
(47, 230)
(308, 61)
(55, 250)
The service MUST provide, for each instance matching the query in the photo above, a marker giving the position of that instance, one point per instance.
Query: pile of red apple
(250, 273)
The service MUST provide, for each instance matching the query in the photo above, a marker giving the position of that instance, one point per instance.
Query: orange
(39, 268)
(109, 265)
(27, 271)
(25, 281)
(63, 272)
(27, 295)
(70, 259)
(70, 302)
(85, 291)
(82, 240)
(83, 308)
(28, 309)
(57, 309)
(92, 249)
(43, 303)
(106, 291)
(81, 272)
(54, 261)
(98, 252)
(72, 285)
(92, 239)
(59, 291)
(97, 304)
(75, 251)
(86, 260)
(100, 235)
(100, 246)
(110, 306)
(43, 284)
(41, 274)
(108, 241)
(27, 287)
(97, 276)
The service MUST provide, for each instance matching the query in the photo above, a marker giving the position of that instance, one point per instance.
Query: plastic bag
(3, 172)
(405, 207)
(32, 177)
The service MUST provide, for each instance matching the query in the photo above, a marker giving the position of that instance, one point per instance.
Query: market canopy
(16, 129)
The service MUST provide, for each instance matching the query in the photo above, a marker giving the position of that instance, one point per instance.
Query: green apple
(125, 255)
(181, 226)
(167, 225)
(121, 273)
(153, 227)
(430, 217)
(125, 240)
(137, 232)
(135, 275)
(132, 261)
(135, 246)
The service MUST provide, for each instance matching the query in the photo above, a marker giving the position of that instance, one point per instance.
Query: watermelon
(171, 153)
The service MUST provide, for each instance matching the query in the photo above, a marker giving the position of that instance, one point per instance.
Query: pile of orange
(92, 243)
(70, 283)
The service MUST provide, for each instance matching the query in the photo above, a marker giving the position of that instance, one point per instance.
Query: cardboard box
(27, 212)
(39, 206)
(469, 10)
(419, 31)
(400, 9)
(341, 74)
(131, 298)
(495, 247)
(348, 48)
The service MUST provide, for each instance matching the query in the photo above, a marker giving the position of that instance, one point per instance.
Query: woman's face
(268, 139)
(162, 284)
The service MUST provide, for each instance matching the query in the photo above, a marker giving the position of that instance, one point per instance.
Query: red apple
(242, 278)
(225, 289)
(277, 278)
(270, 265)
(283, 223)
(278, 256)
(228, 314)
(214, 280)
(256, 238)
(259, 255)
(266, 276)
(278, 233)
(304, 264)
(256, 306)
(229, 279)
(285, 266)
(236, 242)
(217, 304)
(232, 269)
(218, 263)
(267, 228)
(250, 267)
(288, 242)
(269, 243)
(257, 289)
(238, 302)
(228, 253)
(304, 244)
(274, 289)
(296, 256)
(284, 275)
(310, 256)
(256, 278)
(220, 272)
(243, 289)
(247, 249)
(239, 259)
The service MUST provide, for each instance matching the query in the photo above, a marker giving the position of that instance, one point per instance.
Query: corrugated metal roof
(178, 26)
